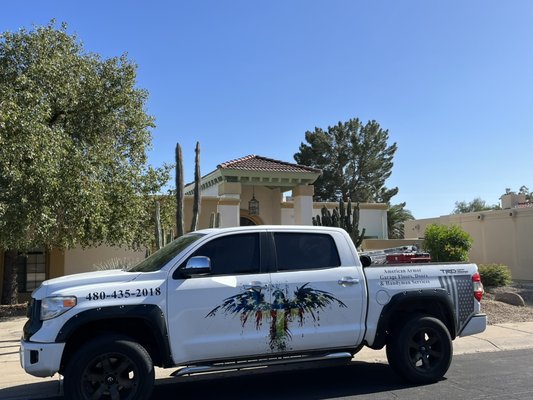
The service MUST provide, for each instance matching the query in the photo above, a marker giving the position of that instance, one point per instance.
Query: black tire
(420, 350)
(109, 367)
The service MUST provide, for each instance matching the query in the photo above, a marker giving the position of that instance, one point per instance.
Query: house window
(31, 270)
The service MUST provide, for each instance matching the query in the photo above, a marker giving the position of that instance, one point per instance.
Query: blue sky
(451, 80)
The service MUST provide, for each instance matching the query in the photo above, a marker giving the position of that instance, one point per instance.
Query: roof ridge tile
(261, 163)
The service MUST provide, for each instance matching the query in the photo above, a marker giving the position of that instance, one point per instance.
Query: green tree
(525, 191)
(476, 205)
(396, 217)
(447, 243)
(73, 141)
(355, 160)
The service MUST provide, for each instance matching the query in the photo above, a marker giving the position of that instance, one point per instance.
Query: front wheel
(113, 368)
(420, 350)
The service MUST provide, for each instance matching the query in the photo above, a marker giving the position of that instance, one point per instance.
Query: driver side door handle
(255, 285)
(348, 281)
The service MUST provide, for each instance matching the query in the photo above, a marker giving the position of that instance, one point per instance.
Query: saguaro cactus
(345, 218)
(354, 229)
(179, 191)
(326, 216)
(214, 220)
(157, 217)
(196, 204)
(170, 235)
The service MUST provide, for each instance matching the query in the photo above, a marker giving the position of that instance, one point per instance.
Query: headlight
(52, 307)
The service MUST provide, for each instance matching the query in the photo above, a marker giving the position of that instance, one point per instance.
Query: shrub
(114, 263)
(447, 243)
(495, 274)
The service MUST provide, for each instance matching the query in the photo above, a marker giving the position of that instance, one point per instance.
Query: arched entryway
(249, 220)
(245, 221)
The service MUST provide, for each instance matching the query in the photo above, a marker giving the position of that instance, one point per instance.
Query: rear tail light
(478, 286)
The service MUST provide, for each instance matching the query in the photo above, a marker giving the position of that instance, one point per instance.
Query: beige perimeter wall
(503, 237)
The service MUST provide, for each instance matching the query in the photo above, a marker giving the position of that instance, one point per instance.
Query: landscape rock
(510, 298)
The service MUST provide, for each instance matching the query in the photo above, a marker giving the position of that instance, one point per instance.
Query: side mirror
(199, 265)
(365, 260)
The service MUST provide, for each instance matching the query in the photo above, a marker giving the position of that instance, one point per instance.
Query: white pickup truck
(240, 297)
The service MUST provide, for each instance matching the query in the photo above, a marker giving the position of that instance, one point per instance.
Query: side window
(234, 254)
(302, 251)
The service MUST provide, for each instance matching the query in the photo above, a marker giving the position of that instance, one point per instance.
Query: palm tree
(396, 216)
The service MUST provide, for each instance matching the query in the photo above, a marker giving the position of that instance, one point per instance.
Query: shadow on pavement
(358, 378)
(42, 390)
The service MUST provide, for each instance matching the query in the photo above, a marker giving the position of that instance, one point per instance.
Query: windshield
(157, 260)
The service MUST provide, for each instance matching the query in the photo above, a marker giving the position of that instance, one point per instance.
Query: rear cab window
(297, 251)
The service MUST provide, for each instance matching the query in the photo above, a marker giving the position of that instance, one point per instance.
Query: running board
(256, 363)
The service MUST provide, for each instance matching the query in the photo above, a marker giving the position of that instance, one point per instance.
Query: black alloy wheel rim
(425, 350)
(111, 376)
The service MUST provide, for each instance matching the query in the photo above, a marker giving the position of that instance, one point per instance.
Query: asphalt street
(495, 364)
(505, 375)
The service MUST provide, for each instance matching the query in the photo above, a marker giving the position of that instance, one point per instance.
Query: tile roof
(258, 163)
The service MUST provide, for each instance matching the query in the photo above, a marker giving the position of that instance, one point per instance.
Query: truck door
(219, 315)
(318, 294)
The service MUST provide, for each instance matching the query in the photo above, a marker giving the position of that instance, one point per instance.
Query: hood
(56, 285)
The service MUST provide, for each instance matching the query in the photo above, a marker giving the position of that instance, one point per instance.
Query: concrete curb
(16, 384)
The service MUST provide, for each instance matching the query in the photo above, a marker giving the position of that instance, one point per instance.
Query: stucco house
(251, 190)
(499, 236)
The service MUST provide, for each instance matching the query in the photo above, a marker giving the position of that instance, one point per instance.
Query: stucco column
(229, 204)
(303, 204)
(277, 198)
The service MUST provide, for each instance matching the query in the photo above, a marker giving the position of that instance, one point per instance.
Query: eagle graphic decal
(280, 313)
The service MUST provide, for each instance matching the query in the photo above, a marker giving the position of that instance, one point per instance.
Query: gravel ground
(499, 313)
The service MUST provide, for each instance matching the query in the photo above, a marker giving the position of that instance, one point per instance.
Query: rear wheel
(112, 368)
(420, 350)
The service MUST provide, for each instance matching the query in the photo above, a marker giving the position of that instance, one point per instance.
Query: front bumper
(477, 324)
(40, 359)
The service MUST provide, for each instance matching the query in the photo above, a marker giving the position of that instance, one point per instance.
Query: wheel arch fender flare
(433, 302)
(149, 314)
